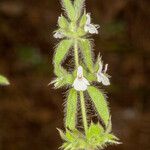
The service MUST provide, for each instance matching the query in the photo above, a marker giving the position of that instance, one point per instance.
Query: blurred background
(30, 111)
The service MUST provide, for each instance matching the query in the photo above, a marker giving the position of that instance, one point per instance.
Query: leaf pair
(95, 138)
(98, 100)
(63, 48)
(73, 9)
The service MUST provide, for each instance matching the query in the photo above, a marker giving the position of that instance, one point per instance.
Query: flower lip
(101, 74)
(88, 21)
(101, 68)
(58, 35)
(80, 83)
(80, 72)
(89, 27)
(106, 68)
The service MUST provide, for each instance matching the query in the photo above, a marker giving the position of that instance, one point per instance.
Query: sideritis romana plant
(74, 30)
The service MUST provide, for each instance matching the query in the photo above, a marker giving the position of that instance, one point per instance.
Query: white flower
(91, 28)
(102, 76)
(80, 83)
(58, 35)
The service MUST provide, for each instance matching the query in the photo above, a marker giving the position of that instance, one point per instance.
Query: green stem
(76, 54)
(85, 124)
(83, 108)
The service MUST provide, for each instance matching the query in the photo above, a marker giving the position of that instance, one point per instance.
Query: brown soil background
(30, 111)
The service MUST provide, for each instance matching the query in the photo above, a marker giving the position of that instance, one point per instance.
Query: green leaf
(79, 5)
(69, 8)
(96, 65)
(83, 20)
(74, 134)
(74, 140)
(86, 49)
(94, 130)
(3, 80)
(65, 79)
(60, 53)
(100, 103)
(95, 138)
(59, 71)
(62, 22)
(71, 110)
(91, 77)
(70, 136)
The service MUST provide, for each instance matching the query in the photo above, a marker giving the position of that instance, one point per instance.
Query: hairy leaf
(83, 20)
(3, 80)
(96, 65)
(62, 22)
(60, 53)
(86, 49)
(71, 109)
(94, 130)
(100, 103)
(74, 140)
(95, 138)
(65, 79)
(109, 126)
(69, 8)
(79, 5)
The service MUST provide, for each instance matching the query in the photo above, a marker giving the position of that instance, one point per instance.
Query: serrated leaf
(69, 8)
(71, 110)
(62, 22)
(79, 5)
(86, 49)
(100, 103)
(60, 53)
(3, 80)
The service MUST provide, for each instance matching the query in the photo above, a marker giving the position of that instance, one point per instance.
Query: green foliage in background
(73, 30)
(3, 80)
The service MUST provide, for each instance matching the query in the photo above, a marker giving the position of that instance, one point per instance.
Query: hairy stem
(85, 124)
(76, 53)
